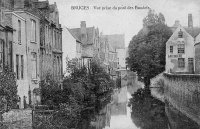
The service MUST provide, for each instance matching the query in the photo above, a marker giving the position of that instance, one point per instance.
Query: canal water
(120, 112)
(149, 115)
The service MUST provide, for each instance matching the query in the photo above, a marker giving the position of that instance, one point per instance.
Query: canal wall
(177, 120)
(182, 91)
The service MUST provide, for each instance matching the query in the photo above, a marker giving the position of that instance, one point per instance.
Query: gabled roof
(194, 31)
(76, 32)
(71, 32)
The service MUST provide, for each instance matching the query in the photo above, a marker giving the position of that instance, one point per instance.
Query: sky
(124, 21)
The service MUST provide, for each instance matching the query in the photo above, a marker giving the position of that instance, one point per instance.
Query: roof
(194, 31)
(76, 33)
(117, 41)
(72, 33)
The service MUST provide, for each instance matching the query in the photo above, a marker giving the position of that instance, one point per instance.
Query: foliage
(147, 48)
(159, 84)
(147, 112)
(50, 91)
(85, 92)
(8, 88)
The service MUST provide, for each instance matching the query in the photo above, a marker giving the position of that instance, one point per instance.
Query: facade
(104, 52)
(19, 56)
(72, 52)
(121, 54)
(50, 40)
(6, 39)
(197, 54)
(180, 50)
(89, 36)
(31, 44)
(116, 58)
(32, 30)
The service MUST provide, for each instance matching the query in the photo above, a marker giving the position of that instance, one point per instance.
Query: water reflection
(139, 111)
(120, 112)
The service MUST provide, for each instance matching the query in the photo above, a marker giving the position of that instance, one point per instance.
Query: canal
(132, 109)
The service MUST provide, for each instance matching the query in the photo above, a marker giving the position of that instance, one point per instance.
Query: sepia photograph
(99, 64)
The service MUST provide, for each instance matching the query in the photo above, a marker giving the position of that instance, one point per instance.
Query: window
(10, 54)
(1, 55)
(34, 65)
(181, 62)
(19, 31)
(17, 66)
(46, 33)
(22, 67)
(171, 49)
(190, 60)
(180, 34)
(33, 30)
(181, 48)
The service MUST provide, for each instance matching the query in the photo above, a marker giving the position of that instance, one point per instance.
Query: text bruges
(79, 7)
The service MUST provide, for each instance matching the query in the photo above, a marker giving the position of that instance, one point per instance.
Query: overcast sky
(127, 22)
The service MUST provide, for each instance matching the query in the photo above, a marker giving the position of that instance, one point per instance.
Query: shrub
(8, 89)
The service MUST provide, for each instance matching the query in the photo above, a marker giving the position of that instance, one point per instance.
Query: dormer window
(180, 34)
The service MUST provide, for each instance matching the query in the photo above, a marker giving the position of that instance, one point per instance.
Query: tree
(147, 48)
(85, 92)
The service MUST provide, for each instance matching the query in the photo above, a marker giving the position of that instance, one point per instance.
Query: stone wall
(182, 91)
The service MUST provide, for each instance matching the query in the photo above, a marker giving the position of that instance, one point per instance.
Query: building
(72, 49)
(19, 55)
(104, 52)
(32, 30)
(197, 54)
(89, 36)
(34, 48)
(50, 40)
(180, 50)
(116, 43)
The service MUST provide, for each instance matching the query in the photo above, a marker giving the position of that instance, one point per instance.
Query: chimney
(190, 21)
(83, 32)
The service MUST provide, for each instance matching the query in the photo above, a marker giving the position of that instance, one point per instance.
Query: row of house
(183, 49)
(87, 43)
(30, 45)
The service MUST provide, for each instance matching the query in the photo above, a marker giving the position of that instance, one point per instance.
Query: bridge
(182, 91)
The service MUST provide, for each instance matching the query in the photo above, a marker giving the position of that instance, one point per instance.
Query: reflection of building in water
(122, 95)
(119, 109)
(103, 119)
